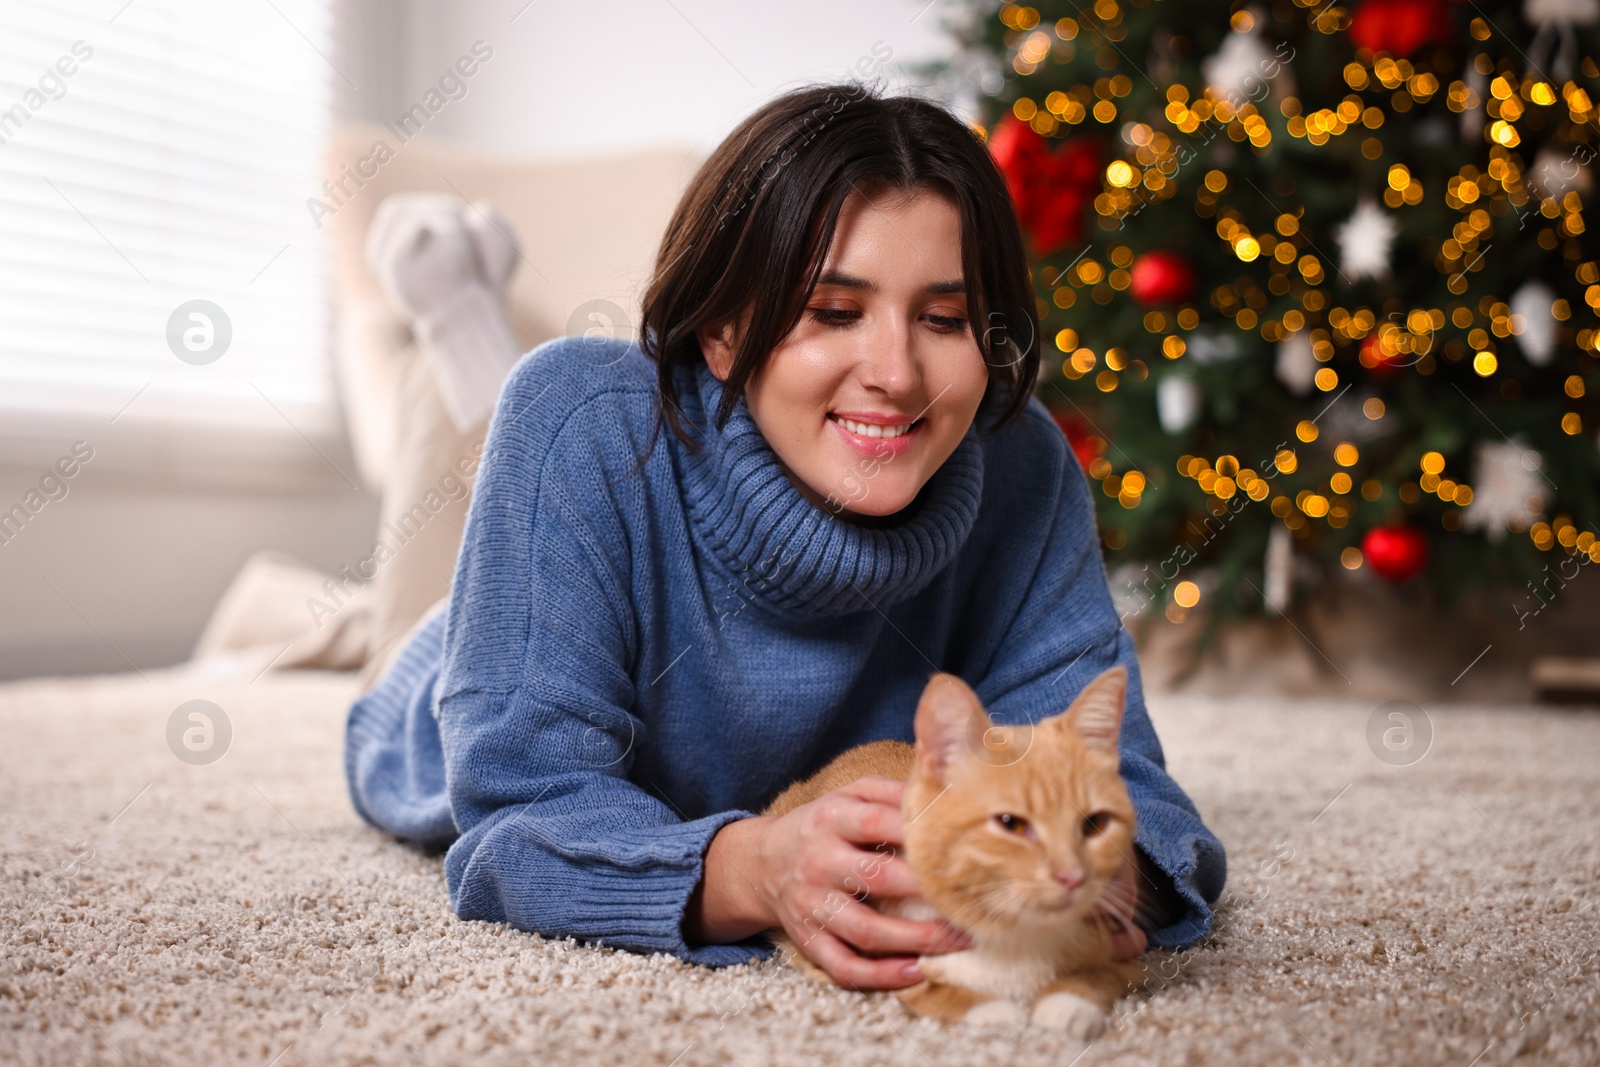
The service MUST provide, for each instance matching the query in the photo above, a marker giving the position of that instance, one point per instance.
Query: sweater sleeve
(1064, 634)
(535, 698)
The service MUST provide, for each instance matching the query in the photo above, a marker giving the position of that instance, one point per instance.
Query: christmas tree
(1317, 288)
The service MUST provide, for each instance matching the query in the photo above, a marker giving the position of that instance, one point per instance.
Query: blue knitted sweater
(631, 658)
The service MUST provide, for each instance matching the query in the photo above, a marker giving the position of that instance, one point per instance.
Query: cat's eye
(1093, 824)
(1013, 824)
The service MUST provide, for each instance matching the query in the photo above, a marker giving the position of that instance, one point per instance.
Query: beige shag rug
(158, 911)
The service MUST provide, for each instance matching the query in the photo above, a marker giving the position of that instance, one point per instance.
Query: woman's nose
(888, 362)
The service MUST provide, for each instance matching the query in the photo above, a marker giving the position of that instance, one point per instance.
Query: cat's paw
(995, 1013)
(1070, 1013)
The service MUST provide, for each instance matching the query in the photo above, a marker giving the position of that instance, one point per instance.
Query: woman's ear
(717, 343)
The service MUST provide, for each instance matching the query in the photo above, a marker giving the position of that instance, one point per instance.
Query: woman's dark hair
(754, 227)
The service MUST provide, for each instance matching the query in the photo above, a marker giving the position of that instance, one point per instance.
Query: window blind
(155, 154)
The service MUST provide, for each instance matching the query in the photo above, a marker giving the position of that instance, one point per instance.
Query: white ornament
(1365, 240)
(1555, 18)
(1553, 173)
(1345, 419)
(1177, 402)
(1296, 366)
(1478, 87)
(1572, 12)
(1508, 490)
(1533, 321)
(1206, 347)
(1241, 69)
(1278, 568)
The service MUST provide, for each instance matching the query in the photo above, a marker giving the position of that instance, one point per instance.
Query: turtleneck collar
(802, 561)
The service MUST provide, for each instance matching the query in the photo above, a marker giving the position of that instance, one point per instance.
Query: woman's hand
(809, 871)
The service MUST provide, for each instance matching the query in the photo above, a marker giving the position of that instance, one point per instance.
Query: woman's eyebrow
(850, 281)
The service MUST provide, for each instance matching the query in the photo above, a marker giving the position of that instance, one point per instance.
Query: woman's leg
(422, 517)
(394, 766)
(447, 273)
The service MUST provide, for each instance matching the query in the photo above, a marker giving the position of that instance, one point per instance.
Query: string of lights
(1326, 263)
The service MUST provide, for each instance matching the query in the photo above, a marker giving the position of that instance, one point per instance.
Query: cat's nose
(1069, 877)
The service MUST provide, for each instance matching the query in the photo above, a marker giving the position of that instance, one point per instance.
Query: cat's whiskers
(1120, 899)
(970, 915)
(986, 891)
(1018, 898)
(1000, 914)
(983, 914)
(1005, 880)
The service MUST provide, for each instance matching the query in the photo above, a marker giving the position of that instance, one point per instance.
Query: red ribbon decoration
(1050, 189)
(1400, 27)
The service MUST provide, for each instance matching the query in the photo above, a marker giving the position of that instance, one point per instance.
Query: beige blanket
(164, 910)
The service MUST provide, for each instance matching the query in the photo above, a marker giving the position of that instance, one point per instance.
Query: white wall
(576, 78)
(125, 570)
(128, 567)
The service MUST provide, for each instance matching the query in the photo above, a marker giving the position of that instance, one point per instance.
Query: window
(155, 154)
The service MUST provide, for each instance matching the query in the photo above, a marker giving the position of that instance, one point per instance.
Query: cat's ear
(1096, 714)
(950, 720)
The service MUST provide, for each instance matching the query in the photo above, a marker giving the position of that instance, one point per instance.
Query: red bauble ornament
(1396, 552)
(1161, 277)
(1051, 189)
(1084, 443)
(1374, 359)
(1399, 27)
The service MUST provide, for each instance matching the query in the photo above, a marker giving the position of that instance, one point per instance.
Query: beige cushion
(588, 227)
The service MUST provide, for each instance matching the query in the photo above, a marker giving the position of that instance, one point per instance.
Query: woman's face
(875, 386)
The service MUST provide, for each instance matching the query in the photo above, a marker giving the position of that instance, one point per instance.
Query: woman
(650, 635)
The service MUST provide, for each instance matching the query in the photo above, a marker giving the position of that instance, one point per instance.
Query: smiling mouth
(871, 429)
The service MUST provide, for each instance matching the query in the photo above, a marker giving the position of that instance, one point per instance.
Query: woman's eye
(846, 317)
(833, 316)
(1093, 824)
(1013, 824)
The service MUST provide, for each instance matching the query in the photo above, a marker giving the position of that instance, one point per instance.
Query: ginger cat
(1014, 833)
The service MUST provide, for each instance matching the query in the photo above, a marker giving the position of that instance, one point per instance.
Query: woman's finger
(875, 789)
(854, 971)
(870, 931)
(868, 822)
(879, 873)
